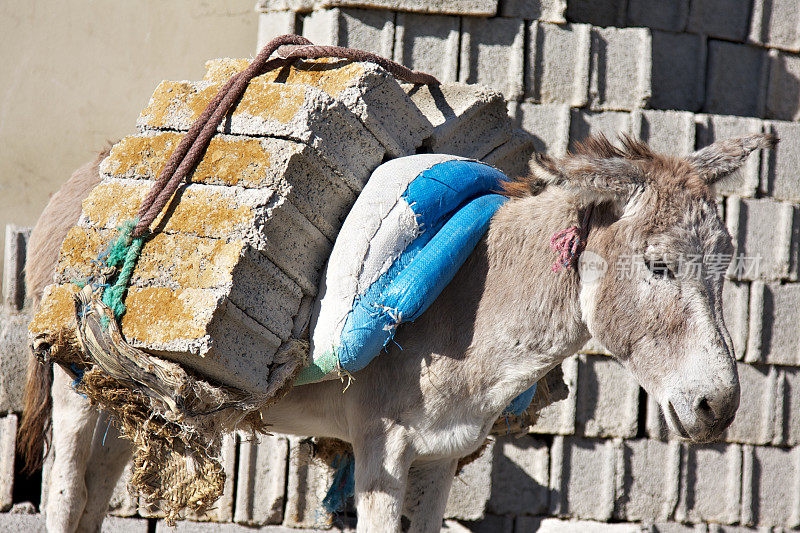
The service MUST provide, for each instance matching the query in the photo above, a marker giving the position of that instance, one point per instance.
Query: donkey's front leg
(382, 462)
(426, 497)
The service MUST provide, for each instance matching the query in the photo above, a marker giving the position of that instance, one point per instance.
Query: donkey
(503, 322)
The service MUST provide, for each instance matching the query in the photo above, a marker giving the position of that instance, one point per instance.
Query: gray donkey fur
(503, 322)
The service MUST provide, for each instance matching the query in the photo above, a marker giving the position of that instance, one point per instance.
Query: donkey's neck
(529, 317)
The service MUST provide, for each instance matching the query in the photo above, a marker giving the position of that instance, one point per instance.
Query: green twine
(122, 254)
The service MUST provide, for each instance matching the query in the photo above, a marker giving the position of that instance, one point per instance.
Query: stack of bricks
(680, 74)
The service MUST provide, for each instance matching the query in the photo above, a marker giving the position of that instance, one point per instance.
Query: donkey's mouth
(676, 422)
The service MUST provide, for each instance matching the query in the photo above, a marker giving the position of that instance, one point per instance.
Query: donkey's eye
(659, 269)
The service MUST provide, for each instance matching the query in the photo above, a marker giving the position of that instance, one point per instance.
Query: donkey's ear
(720, 159)
(599, 179)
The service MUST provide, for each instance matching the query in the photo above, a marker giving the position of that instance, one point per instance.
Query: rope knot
(567, 244)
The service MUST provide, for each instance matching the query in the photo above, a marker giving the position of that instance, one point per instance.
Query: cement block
(8, 437)
(598, 12)
(678, 74)
(764, 233)
(223, 507)
(712, 128)
(122, 502)
(608, 398)
(272, 24)
(783, 90)
(557, 68)
(593, 346)
(15, 523)
(770, 486)
(471, 488)
(549, 125)
(526, 524)
(16, 240)
(492, 54)
(298, 112)
(725, 19)
(667, 132)
(735, 305)
(582, 477)
(668, 15)
(293, 169)
(650, 473)
(779, 166)
(711, 477)
(545, 10)
(774, 337)
(655, 422)
(13, 360)
(788, 415)
(559, 417)
(261, 479)
(454, 7)
(113, 524)
(428, 43)
(610, 123)
(307, 483)
(513, 157)
(620, 74)
(467, 120)
(674, 527)
(776, 24)
(757, 420)
(736, 65)
(520, 477)
(364, 29)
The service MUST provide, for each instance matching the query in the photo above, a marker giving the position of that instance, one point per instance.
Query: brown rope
(190, 151)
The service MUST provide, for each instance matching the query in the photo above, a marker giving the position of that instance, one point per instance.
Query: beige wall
(77, 72)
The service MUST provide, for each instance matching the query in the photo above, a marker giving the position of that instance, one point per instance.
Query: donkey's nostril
(704, 411)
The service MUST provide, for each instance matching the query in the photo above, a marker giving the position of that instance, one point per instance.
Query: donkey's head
(657, 305)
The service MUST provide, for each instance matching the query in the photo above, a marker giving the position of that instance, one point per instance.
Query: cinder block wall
(677, 73)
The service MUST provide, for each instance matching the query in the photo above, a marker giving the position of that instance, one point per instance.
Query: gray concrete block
(668, 15)
(16, 240)
(548, 123)
(527, 524)
(559, 417)
(788, 407)
(774, 337)
(674, 527)
(757, 420)
(764, 233)
(513, 157)
(712, 128)
(620, 71)
(770, 486)
(364, 29)
(736, 65)
(222, 510)
(582, 477)
(122, 502)
(598, 12)
(650, 473)
(725, 19)
(667, 132)
(271, 24)
(17, 523)
(735, 306)
(13, 360)
(492, 54)
(8, 437)
(656, 424)
(776, 23)
(608, 398)
(308, 481)
(783, 89)
(261, 479)
(113, 524)
(545, 10)
(455, 7)
(467, 120)
(711, 477)
(520, 477)
(557, 69)
(428, 43)
(610, 123)
(471, 488)
(779, 177)
(678, 74)
(488, 524)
